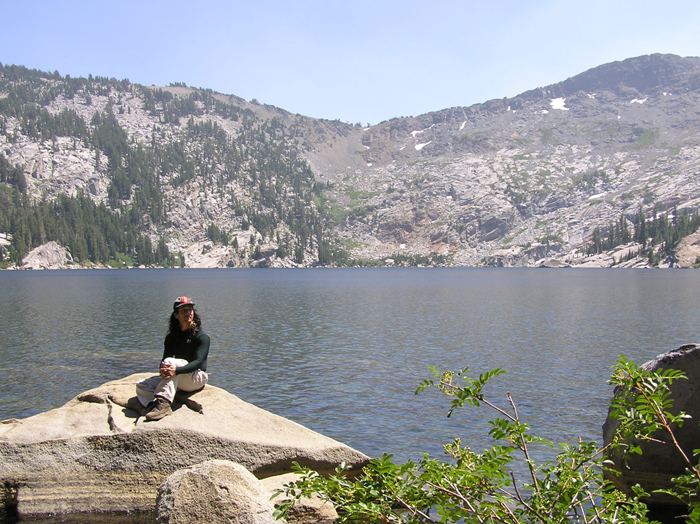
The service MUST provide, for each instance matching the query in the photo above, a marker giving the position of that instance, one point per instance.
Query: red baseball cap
(182, 301)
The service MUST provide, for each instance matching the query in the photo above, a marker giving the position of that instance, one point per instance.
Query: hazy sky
(356, 60)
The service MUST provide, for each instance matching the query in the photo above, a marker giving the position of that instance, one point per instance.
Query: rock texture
(5, 243)
(308, 510)
(513, 181)
(93, 455)
(689, 250)
(659, 463)
(48, 256)
(215, 491)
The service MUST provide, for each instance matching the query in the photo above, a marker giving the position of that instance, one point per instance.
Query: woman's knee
(193, 381)
(148, 385)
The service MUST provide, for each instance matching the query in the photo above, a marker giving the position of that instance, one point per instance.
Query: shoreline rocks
(660, 462)
(94, 455)
(214, 491)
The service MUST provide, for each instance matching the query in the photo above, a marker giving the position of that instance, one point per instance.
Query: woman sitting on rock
(183, 366)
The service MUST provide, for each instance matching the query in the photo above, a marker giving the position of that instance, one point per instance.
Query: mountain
(600, 169)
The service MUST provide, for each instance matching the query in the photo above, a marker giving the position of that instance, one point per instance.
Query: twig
(482, 399)
(575, 510)
(595, 508)
(576, 465)
(501, 411)
(583, 513)
(414, 510)
(527, 506)
(458, 494)
(455, 492)
(667, 427)
(509, 511)
(524, 447)
(471, 508)
(515, 486)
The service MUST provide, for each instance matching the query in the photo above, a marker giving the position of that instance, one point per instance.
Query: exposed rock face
(553, 163)
(47, 256)
(93, 455)
(689, 250)
(4, 247)
(506, 174)
(214, 491)
(206, 254)
(659, 463)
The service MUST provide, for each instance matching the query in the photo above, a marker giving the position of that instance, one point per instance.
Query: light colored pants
(152, 387)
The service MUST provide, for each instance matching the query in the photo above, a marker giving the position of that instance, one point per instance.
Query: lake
(341, 351)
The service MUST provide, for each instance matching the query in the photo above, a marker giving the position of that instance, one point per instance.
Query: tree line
(90, 231)
(658, 234)
(282, 200)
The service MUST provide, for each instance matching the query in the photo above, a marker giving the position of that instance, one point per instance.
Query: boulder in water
(214, 491)
(660, 462)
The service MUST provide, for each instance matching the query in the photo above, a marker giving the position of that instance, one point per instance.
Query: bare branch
(595, 508)
(524, 447)
(415, 511)
(667, 427)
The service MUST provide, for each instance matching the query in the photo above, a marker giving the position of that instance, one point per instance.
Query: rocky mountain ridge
(525, 180)
(496, 182)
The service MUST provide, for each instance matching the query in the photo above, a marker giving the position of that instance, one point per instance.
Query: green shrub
(472, 487)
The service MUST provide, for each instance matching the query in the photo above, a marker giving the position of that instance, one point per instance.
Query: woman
(183, 366)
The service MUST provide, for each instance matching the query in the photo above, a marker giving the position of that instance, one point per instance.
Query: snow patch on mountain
(419, 131)
(558, 103)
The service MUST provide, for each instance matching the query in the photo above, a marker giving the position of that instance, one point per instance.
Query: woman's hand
(167, 370)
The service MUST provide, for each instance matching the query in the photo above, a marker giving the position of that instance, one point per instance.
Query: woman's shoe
(161, 409)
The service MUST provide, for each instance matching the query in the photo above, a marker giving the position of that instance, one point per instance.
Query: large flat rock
(93, 454)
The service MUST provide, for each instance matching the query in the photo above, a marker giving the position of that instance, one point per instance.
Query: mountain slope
(514, 180)
(209, 177)
(205, 179)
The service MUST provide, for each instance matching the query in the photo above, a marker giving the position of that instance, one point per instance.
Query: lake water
(341, 351)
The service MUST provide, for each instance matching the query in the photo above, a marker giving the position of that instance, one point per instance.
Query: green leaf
(694, 515)
(470, 487)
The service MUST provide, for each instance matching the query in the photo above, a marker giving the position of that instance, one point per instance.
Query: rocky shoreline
(51, 256)
(222, 461)
(93, 455)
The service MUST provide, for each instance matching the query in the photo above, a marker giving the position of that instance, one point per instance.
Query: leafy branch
(471, 487)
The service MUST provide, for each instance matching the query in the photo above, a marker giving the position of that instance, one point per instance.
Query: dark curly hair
(174, 325)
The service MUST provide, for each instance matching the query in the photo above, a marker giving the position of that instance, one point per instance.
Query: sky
(360, 61)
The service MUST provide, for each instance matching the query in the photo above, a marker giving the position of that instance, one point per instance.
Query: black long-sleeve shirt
(193, 347)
